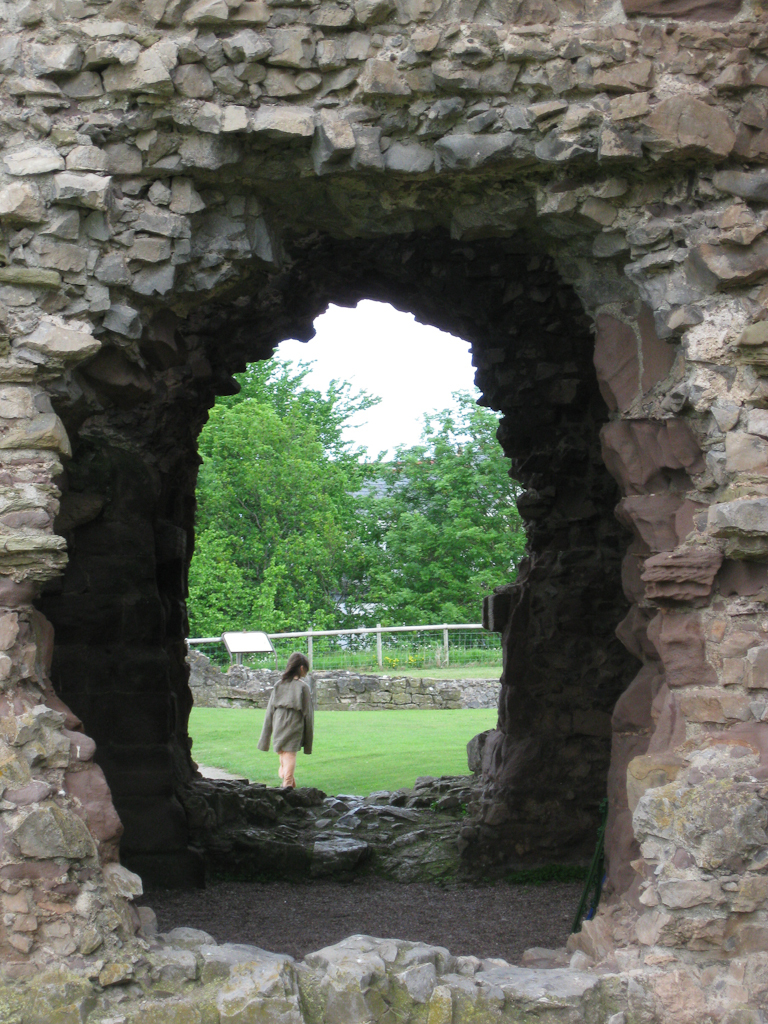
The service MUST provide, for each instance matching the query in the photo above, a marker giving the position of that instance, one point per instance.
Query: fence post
(309, 649)
(379, 657)
(445, 645)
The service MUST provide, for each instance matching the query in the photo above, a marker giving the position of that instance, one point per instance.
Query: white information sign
(247, 643)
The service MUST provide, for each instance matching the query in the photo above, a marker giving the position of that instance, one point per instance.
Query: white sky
(414, 369)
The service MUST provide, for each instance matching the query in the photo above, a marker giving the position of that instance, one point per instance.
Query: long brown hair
(296, 662)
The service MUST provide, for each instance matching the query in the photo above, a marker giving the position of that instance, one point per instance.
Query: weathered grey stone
(85, 86)
(97, 297)
(732, 265)
(754, 334)
(332, 15)
(89, 190)
(268, 984)
(714, 822)
(51, 340)
(154, 281)
(683, 123)
(382, 78)
(53, 832)
(367, 151)
(33, 160)
(86, 158)
(684, 893)
(159, 194)
(46, 431)
(750, 185)
(227, 82)
(123, 320)
(235, 119)
(619, 145)
(34, 88)
(63, 256)
(96, 226)
(111, 268)
(757, 422)
(150, 74)
(329, 857)
(115, 974)
(284, 122)
(747, 515)
(15, 403)
(626, 107)
(726, 415)
(308, 81)
(207, 153)
(174, 966)
(123, 159)
(467, 152)
(554, 149)
(122, 881)
(111, 51)
(373, 12)
(280, 84)
(246, 45)
(193, 80)
(291, 47)
(609, 243)
(9, 52)
(158, 221)
(63, 58)
(453, 77)
(219, 962)
(184, 197)
(21, 202)
(408, 159)
(252, 12)
(558, 989)
(189, 938)
(333, 140)
(207, 12)
(149, 249)
(744, 452)
(419, 982)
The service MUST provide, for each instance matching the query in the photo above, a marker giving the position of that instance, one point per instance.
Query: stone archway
(531, 349)
(185, 186)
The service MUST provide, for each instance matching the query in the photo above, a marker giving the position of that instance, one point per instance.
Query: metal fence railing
(384, 648)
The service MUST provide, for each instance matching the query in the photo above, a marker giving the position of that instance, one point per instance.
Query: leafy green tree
(277, 546)
(443, 518)
(295, 528)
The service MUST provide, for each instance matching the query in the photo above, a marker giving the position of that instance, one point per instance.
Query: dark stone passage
(128, 515)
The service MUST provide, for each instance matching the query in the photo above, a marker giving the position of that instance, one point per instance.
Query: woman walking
(290, 718)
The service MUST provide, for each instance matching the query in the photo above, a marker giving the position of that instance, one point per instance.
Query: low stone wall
(184, 975)
(251, 831)
(337, 689)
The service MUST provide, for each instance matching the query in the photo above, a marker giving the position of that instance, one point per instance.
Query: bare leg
(287, 768)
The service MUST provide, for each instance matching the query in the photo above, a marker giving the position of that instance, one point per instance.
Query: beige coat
(290, 717)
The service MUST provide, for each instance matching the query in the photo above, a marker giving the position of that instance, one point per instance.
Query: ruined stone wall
(576, 190)
(336, 689)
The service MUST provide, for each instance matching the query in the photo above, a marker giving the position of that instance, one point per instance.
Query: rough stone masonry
(579, 190)
(336, 689)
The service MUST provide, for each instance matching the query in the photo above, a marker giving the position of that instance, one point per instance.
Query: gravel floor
(485, 921)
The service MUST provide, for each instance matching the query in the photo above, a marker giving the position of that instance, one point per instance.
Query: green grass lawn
(354, 751)
(453, 672)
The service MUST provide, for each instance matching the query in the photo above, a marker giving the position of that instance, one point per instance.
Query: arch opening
(128, 515)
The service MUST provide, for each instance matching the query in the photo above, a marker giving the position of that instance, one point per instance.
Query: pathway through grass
(354, 752)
